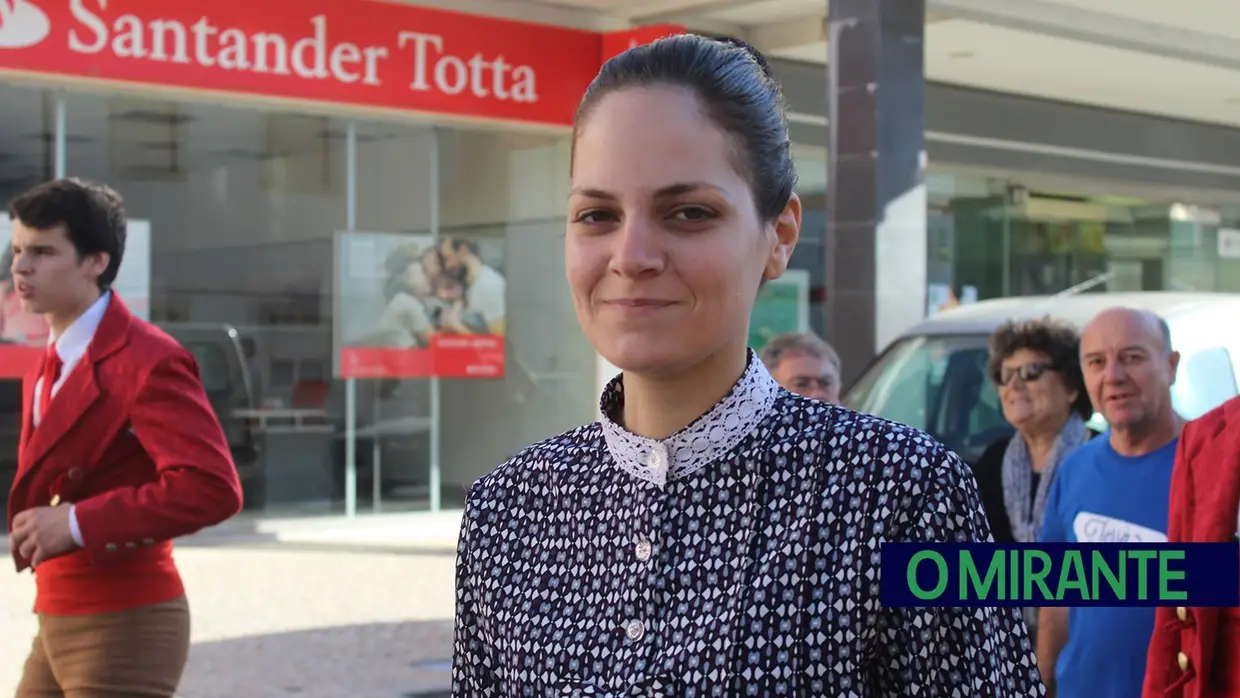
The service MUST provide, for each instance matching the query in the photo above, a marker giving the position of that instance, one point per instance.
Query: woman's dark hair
(1058, 341)
(734, 84)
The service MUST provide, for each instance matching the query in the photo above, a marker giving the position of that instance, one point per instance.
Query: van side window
(1204, 380)
(937, 384)
(213, 365)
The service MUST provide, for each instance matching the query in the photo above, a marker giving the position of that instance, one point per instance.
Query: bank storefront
(351, 211)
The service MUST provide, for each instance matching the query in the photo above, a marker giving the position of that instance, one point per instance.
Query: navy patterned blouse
(737, 558)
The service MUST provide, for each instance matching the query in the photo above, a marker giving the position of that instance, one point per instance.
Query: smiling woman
(711, 533)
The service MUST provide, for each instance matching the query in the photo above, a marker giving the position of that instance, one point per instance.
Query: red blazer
(1205, 493)
(130, 440)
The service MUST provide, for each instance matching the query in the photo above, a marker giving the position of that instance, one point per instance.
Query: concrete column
(876, 204)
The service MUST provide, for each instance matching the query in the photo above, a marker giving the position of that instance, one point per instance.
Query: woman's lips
(638, 306)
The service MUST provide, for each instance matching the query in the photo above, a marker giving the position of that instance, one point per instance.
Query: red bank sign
(357, 52)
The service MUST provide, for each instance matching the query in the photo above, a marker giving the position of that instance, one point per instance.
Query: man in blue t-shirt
(1114, 488)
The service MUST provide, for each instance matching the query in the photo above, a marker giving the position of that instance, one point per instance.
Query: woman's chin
(1021, 420)
(645, 358)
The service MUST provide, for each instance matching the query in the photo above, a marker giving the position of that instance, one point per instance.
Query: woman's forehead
(657, 136)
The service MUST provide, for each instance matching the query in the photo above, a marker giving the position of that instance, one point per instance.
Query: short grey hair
(806, 343)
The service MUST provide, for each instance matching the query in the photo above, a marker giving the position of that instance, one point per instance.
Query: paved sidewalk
(327, 608)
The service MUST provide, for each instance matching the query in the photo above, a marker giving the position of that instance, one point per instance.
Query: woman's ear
(787, 227)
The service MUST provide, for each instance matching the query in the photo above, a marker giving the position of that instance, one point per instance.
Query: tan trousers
(138, 653)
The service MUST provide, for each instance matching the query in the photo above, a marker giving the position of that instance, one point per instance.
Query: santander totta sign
(357, 52)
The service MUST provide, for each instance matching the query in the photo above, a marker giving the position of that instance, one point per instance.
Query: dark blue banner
(1061, 574)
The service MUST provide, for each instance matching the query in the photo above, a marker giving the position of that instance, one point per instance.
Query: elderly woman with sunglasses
(1036, 369)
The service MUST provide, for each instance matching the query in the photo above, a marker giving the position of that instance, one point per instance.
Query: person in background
(710, 533)
(1195, 652)
(485, 288)
(122, 454)
(1035, 366)
(1113, 488)
(407, 319)
(804, 364)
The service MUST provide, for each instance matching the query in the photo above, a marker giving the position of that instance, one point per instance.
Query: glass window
(938, 385)
(213, 366)
(232, 213)
(27, 136)
(507, 192)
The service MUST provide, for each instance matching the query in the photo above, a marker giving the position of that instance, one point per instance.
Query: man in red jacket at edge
(1195, 652)
(120, 453)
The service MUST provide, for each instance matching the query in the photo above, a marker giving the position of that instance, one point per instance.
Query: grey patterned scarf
(1024, 509)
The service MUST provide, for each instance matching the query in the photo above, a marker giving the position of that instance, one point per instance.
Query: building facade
(285, 164)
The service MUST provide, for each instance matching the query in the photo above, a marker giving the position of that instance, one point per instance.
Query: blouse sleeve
(951, 651)
(471, 662)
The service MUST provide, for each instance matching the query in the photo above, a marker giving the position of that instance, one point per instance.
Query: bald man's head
(1129, 367)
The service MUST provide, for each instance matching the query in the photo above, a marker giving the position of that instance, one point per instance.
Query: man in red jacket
(1195, 652)
(120, 453)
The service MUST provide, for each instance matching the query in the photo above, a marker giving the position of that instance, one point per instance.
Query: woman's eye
(693, 213)
(593, 217)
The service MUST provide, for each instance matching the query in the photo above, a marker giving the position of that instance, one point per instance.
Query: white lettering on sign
(452, 75)
(312, 56)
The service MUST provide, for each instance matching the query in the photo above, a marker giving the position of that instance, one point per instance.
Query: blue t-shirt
(1100, 496)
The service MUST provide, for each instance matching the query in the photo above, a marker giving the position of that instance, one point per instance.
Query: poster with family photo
(411, 306)
(23, 335)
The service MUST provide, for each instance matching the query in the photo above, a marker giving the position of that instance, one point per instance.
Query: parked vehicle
(934, 377)
(226, 379)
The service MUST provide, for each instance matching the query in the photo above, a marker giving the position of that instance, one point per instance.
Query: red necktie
(51, 373)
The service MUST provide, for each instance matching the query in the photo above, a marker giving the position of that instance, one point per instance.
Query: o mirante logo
(1060, 574)
(22, 24)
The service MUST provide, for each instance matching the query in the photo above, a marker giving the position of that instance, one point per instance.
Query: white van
(933, 377)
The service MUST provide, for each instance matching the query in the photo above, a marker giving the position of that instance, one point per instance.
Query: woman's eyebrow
(663, 192)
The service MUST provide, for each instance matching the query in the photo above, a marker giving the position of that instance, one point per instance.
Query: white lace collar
(703, 442)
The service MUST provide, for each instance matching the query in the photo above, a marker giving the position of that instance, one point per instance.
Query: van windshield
(937, 384)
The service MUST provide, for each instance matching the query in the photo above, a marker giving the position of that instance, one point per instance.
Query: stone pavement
(331, 610)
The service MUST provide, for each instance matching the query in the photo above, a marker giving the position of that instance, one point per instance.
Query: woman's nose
(639, 250)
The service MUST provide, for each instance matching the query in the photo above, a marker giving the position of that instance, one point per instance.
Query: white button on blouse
(643, 550)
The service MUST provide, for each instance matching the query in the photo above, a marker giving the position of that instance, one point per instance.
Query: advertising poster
(782, 306)
(410, 308)
(23, 336)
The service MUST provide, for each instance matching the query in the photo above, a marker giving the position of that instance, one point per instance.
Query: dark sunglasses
(1027, 373)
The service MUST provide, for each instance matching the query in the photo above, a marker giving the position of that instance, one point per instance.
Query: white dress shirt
(71, 346)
